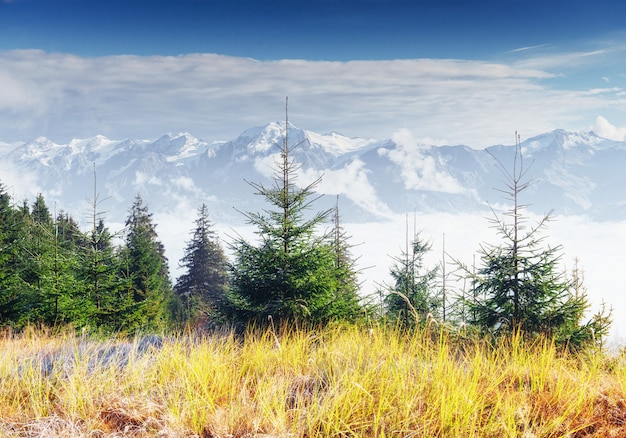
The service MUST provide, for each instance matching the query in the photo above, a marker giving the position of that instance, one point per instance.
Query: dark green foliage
(102, 286)
(40, 266)
(347, 306)
(40, 212)
(595, 330)
(12, 299)
(410, 300)
(147, 297)
(202, 288)
(53, 274)
(68, 232)
(520, 286)
(302, 285)
(291, 273)
(100, 272)
(53, 288)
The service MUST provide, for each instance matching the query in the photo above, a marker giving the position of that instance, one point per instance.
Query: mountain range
(451, 188)
(571, 173)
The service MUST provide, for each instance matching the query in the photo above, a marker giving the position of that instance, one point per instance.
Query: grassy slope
(341, 381)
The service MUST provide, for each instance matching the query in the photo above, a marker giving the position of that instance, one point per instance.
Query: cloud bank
(215, 97)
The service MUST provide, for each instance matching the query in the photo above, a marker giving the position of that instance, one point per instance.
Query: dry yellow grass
(339, 381)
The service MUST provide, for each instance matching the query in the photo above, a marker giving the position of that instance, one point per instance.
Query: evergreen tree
(520, 285)
(37, 262)
(40, 212)
(20, 264)
(410, 299)
(12, 298)
(48, 267)
(290, 274)
(100, 269)
(348, 305)
(65, 289)
(68, 232)
(149, 295)
(202, 287)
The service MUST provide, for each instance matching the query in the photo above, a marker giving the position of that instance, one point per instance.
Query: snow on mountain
(338, 144)
(574, 173)
(560, 139)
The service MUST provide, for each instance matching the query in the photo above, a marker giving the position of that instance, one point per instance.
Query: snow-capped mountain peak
(262, 139)
(91, 144)
(562, 140)
(40, 149)
(338, 144)
(178, 146)
(576, 172)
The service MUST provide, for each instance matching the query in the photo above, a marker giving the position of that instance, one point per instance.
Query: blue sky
(449, 71)
(337, 30)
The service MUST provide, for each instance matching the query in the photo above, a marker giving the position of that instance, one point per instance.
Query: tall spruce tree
(66, 290)
(149, 298)
(520, 285)
(202, 287)
(40, 212)
(12, 299)
(37, 263)
(22, 264)
(290, 274)
(100, 271)
(48, 267)
(100, 274)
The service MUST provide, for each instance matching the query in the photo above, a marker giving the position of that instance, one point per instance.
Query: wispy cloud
(215, 97)
(568, 59)
(529, 48)
(594, 91)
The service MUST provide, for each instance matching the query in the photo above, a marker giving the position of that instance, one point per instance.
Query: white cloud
(216, 97)
(186, 183)
(266, 165)
(567, 59)
(142, 179)
(603, 128)
(419, 171)
(593, 91)
(351, 181)
(19, 183)
(174, 231)
(529, 48)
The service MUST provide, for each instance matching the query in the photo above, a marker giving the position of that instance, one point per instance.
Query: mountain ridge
(575, 173)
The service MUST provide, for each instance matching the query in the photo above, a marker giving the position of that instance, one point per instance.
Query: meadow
(339, 381)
